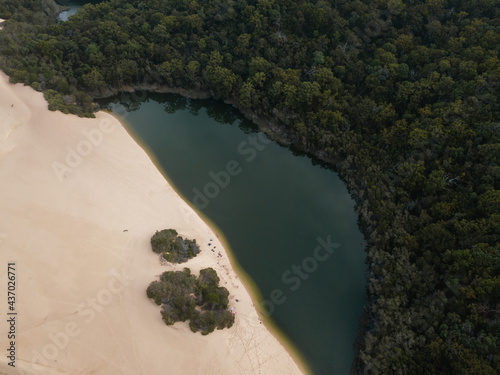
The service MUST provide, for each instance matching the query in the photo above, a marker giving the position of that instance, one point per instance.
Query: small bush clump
(174, 248)
(201, 300)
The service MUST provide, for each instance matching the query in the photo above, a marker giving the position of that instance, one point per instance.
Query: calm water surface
(275, 208)
(73, 7)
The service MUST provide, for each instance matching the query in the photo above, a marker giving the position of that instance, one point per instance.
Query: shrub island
(183, 296)
(174, 248)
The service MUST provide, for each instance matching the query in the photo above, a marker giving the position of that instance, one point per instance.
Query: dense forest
(401, 97)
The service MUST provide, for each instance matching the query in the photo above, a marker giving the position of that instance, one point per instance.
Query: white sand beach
(79, 202)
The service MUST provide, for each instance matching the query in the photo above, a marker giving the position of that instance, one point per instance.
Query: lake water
(73, 7)
(290, 223)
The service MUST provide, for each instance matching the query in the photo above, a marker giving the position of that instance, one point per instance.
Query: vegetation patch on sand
(174, 248)
(183, 296)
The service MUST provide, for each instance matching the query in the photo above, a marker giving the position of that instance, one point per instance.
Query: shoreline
(248, 283)
(277, 133)
(84, 267)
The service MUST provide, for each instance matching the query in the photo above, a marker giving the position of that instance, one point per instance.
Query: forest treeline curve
(401, 97)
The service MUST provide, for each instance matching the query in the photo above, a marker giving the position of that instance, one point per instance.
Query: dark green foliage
(185, 297)
(174, 248)
(164, 240)
(400, 97)
(207, 321)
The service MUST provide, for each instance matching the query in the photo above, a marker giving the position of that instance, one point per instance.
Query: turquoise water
(289, 221)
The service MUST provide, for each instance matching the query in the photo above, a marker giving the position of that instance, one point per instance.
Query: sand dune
(69, 189)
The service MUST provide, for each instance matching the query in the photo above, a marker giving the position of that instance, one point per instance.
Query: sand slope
(69, 188)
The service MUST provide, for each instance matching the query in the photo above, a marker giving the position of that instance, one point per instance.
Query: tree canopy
(400, 97)
(174, 248)
(184, 296)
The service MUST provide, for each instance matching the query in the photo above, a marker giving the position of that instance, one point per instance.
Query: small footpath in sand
(79, 201)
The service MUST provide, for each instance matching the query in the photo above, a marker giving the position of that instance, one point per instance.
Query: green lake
(73, 7)
(290, 222)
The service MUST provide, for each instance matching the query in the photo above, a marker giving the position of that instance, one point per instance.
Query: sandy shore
(79, 202)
